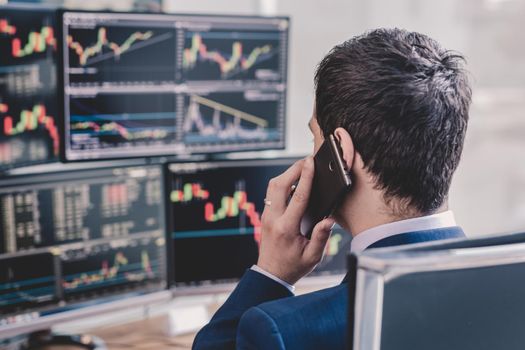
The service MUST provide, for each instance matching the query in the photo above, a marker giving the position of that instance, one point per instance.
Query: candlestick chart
(27, 135)
(231, 206)
(231, 55)
(28, 99)
(25, 41)
(334, 259)
(216, 216)
(28, 121)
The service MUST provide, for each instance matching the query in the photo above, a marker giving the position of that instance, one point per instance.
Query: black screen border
(52, 11)
(171, 156)
(220, 164)
(59, 307)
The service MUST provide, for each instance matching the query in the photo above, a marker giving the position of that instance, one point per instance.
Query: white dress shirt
(276, 279)
(368, 237)
(430, 222)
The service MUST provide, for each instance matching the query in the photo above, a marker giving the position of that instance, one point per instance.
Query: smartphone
(330, 184)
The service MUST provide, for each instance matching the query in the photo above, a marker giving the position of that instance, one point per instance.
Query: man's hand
(284, 252)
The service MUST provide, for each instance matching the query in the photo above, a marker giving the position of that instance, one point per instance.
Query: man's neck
(372, 211)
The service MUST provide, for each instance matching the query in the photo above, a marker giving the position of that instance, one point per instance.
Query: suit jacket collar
(417, 237)
(422, 223)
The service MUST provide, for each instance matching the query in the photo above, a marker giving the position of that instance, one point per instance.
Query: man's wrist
(264, 272)
(281, 271)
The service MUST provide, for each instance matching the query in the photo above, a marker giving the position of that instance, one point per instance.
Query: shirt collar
(430, 222)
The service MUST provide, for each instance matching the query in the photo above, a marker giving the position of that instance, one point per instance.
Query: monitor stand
(45, 338)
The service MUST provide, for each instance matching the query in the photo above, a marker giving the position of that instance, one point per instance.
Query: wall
(488, 192)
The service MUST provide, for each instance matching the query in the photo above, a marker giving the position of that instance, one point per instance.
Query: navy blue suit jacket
(262, 314)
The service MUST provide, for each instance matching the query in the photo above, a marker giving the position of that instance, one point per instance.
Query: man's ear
(347, 145)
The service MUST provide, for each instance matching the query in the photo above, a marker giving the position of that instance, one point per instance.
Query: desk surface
(150, 333)
(145, 334)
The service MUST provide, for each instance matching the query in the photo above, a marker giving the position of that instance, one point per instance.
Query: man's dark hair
(405, 101)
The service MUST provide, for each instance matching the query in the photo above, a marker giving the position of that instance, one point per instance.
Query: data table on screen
(78, 237)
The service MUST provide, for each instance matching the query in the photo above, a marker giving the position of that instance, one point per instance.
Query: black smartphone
(330, 184)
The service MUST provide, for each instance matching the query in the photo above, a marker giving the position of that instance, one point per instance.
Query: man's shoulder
(307, 303)
(301, 322)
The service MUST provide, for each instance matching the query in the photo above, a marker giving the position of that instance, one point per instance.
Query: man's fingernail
(309, 161)
(330, 223)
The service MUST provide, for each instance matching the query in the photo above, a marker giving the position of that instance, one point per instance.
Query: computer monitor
(234, 70)
(459, 294)
(28, 87)
(215, 218)
(334, 261)
(74, 242)
(137, 84)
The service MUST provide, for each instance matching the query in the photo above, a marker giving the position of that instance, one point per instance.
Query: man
(398, 104)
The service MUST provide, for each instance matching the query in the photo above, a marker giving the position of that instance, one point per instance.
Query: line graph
(120, 54)
(121, 270)
(128, 130)
(105, 273)
(23, 285)
(231, 55)
(111, 122)
(85, 54)
(227, 117)
(112, 267)
(113, 128)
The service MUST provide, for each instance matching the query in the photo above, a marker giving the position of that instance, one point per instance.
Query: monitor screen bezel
(59, 311)
(187, 152)
(51, 11)
(376, 268)
(212, 286)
